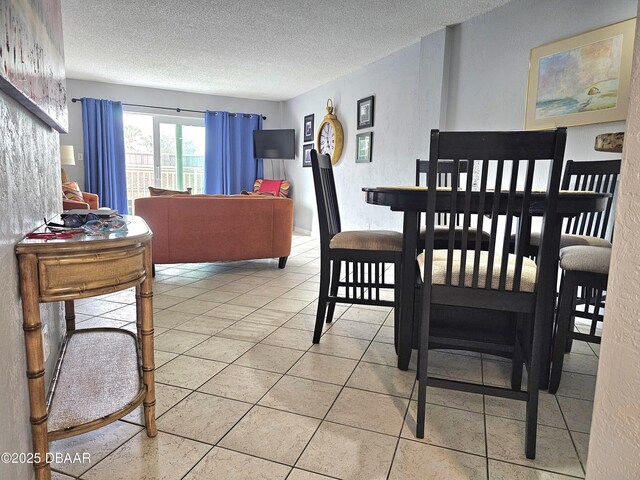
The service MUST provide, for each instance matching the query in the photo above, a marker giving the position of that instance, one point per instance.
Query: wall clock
(330, 139)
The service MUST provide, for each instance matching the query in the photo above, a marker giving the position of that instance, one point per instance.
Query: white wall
(483, 69)
(157, 97)
(614, 446)
(30, 186)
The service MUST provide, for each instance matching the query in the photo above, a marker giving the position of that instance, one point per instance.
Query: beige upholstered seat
(442, 233)
(569, 239)
(367, 240)
(527, 278)
(586, 259)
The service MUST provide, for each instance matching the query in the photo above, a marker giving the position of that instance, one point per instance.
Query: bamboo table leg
(70, 315)
(35, 363)
(145, 310)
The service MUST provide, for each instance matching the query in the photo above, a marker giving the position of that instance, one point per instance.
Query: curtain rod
(74, 100)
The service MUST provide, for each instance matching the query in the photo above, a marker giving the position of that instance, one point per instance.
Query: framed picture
(580, 80)
(32, 59)
(363, 147)
(306, 154)
(365, 112)
(308, 128)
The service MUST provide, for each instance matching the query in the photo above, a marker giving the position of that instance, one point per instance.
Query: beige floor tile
(205, 325)
(382, 353)
(290, 338)
(164, 300)
(471, 402)
(188, 372)
(361, 455)
(297, 474)
(385, 335)
(302, 396)
(165, 457)
(238, 287)
(124, 296)
(269, 317)
(126, 313)
(349, 328)
(269, 291)
(324, 368)
(548, 410)
(166, 397)
(584, 364)
(221, 464)
(369, 410)
(382, 379)
(100, 322)
(188, 291)
(366, 315)
(459, 367)
(417, 461)
(251, 300)
(232, 312)
(554, 451)
(247, 331)
(341, 346)
(271, 358)
(581, 441)
(304, 321)
(271, 434)
(201, 417)
(159, 288)
(196, 307)
(95, 307)
(98, 444)
(170, 319)
(576, 385)
(577, 413)
(312, 308)
(221, 349)
(176, 341)
(218, 296)
(301, 294)
(161, 357)
(287, 305)
(448, 427)
(241, 383)
(60, 476)
(509, 471)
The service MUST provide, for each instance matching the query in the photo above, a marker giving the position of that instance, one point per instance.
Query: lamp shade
(67, 156)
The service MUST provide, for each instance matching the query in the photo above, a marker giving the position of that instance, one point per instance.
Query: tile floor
(242, 393)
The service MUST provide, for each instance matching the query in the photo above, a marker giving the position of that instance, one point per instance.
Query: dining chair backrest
(326, 197)
(596, 176)
(445, 174)
(507, 162)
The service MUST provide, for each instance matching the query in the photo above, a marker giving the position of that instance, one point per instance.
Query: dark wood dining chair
(445, 175)
(366, 254)
(473, 280)
(585, 267)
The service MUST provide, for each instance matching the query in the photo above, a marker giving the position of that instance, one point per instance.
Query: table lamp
(67, 157)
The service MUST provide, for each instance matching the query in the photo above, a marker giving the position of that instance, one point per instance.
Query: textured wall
(29, 190)
(614, 448)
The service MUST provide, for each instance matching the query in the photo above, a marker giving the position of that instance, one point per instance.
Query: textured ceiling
(264, 49)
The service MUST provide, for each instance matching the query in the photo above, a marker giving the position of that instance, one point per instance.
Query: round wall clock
(329, 139)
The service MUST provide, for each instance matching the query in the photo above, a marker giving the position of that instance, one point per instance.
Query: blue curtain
(104, 161)
(229, 166)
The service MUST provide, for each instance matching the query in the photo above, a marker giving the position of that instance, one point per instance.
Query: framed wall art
(32, 59)
(582, 79)
(365, 112)
(363, 147)
(308, 128)
(306, 154)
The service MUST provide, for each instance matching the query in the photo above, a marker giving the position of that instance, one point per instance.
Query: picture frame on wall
(365, 112)
(582, 79)
(364, 142)
(308, 128)
(306, 154)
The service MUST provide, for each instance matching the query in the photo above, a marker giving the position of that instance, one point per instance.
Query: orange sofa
(212, 228)
(91, 201)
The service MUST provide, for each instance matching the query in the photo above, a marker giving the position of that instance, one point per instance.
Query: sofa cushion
(367, 240)
(161, 192)
(285, 186)
(72, 192)
(586, 258)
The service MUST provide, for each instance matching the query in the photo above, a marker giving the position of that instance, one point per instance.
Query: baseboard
(302, 231)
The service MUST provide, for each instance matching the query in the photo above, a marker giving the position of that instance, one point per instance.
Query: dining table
(412, 200)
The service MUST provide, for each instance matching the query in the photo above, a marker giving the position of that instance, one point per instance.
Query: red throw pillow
(270, 186)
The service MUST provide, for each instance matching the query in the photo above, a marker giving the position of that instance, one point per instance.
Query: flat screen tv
(274, 144)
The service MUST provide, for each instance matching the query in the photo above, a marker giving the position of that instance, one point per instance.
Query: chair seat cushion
(581, 258)
(569, 239)
(367, 240)
(442, 233)
(527, 277)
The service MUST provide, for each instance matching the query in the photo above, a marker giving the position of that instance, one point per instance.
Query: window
(164, 152)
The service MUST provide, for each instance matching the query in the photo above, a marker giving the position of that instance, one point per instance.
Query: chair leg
(282, 262)
(518, 358)
(322, 299)
(335, 279)
(567, 297)
(397, 298)
(423, 354)
(533, 388)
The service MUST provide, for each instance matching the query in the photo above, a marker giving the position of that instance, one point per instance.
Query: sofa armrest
(92, 200)
(73, 205)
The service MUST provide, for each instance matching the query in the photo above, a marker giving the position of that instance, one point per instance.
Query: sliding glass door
(164, 152)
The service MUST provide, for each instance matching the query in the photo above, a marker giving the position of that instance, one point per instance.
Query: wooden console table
(102, 374)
